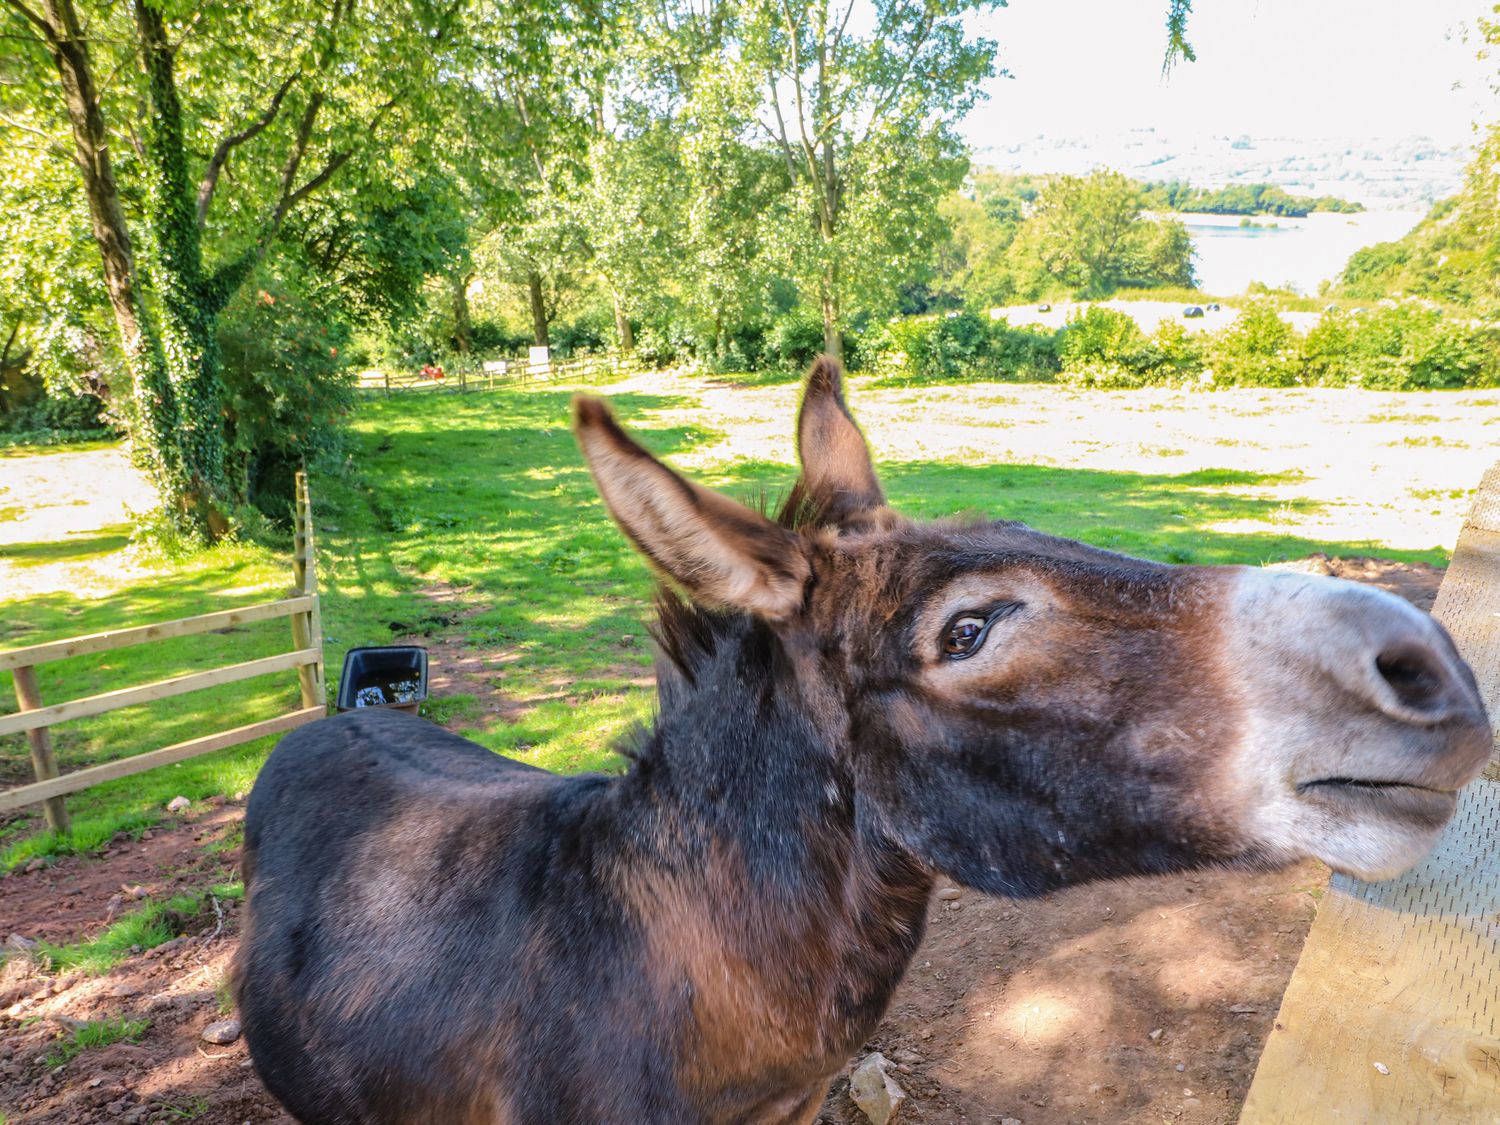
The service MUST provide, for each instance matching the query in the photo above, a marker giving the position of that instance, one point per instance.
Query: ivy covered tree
(340, 79)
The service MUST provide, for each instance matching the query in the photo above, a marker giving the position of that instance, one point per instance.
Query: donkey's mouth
(1403, 799)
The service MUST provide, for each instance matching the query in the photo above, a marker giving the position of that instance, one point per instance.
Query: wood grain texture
(161, 689)
(1406, 974)
(43, 761)
(82, 779)
(140, 634)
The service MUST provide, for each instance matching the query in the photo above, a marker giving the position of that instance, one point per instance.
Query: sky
(1284, 68)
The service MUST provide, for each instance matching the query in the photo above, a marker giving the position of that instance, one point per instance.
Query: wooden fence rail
(36, 718)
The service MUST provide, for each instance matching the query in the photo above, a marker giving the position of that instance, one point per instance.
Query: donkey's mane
(689, 637)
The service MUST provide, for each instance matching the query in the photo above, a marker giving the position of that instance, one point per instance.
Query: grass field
(471, 520)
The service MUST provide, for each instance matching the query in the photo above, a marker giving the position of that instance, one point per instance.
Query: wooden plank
(161, 689)
(1406, 973)
(139, 634)
(43, 763)
(139, 763)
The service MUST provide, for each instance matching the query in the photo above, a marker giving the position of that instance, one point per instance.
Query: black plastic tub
(391, 676)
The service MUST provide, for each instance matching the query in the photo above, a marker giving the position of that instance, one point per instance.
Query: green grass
(194, 1107)
(35, 449)
(486, 493)
(146, 928)
(96, 1033)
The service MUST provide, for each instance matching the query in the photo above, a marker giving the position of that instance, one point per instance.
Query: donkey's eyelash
(948, 647)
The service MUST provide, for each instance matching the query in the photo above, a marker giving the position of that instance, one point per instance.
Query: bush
(794, 340)
(60, 412)
(1025, 353)
(931, 348)
(495, 337)
(287, 386)
(1104, 348)
(1259, 349)
(663, 342)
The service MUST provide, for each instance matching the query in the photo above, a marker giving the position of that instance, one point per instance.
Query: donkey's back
(434, 924)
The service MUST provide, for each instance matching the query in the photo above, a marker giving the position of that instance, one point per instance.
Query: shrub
(1412, 346)
(942, 348)
(1259, 349)
(58, 411)
(662, 342)
(287, 387)
(794, 340)
(1104, 348)
(1024, 353)
(1177, 353)
(1328, 350)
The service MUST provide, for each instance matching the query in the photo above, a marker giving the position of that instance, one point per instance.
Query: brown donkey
(851, 705)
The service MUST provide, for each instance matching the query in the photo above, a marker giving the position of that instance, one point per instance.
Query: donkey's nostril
(1416, 674)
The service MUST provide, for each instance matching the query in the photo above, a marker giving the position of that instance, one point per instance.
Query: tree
(1087, 233)
(288, 132)
(864, 125)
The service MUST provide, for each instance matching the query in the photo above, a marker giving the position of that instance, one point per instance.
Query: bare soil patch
(1144, 1000)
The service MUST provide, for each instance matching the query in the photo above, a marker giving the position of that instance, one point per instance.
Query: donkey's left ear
(722, 553)
(838, 477)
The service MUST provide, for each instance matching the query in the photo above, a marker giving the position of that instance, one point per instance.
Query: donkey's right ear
(838, 477)
(722, 553)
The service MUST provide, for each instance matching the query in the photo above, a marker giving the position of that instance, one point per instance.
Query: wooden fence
(487, 376)
(36, 718)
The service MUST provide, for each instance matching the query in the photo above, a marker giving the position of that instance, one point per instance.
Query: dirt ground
(1145, 1000)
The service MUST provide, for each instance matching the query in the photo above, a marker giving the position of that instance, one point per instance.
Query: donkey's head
(1020, 712)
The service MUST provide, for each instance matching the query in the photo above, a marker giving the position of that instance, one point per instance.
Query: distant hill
(1452, 255)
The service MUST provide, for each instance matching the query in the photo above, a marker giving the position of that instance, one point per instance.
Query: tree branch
(49, 33)
(895, 87)
(809, 153)
(221, 152)
(52, 142)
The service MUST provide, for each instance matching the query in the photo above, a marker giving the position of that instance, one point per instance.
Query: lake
(1298, 253)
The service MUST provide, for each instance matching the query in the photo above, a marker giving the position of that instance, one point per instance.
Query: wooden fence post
(307, 628)
(43, 763)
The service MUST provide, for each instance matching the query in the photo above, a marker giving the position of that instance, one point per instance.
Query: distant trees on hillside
(1241, 199)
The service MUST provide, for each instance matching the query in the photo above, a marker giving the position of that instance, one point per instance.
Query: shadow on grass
(115, 537)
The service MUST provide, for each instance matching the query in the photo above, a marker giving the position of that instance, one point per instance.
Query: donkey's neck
(786, 898)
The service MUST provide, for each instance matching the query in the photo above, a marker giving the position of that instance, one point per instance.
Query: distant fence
(488, 375)
(36, 719)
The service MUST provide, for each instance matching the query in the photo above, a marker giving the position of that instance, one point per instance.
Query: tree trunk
(463, 325)
(624, 333)
(188, 316)
(538, 309)
(155, 422)
(833, 336)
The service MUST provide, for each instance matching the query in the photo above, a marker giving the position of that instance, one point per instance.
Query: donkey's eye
(967, 631)
(964, 637)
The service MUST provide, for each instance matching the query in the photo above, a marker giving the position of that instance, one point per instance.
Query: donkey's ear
(722, 553)
(838, 478)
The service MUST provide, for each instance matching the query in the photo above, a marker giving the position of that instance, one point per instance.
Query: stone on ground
(875, 1091)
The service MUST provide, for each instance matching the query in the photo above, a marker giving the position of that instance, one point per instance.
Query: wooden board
(161, 689)
(1393, 1012)
(140, 634)
(79, 780)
